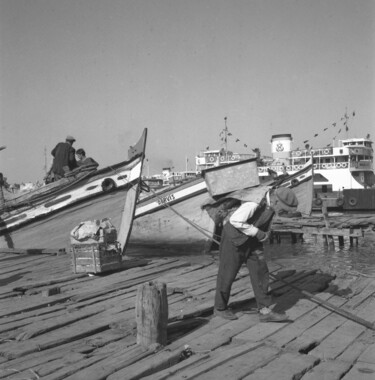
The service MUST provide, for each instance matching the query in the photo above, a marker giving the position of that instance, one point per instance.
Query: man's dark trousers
(232, 256)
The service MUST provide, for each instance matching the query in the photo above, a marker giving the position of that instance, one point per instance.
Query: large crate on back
(227, 178)
(95, 257)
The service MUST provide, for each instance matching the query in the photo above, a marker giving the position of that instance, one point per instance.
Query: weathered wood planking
(88, 331)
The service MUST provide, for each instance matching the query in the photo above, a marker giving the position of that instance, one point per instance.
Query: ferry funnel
(281, 147)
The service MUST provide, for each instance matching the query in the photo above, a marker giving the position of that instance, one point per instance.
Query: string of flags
(339, 126)
(344, 125)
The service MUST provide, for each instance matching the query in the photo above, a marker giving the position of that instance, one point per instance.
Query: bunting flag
(345, 119)
(237, 140)
(245, 145)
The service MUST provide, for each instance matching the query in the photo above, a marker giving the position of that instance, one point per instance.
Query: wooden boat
(175, 219)
(43, 218)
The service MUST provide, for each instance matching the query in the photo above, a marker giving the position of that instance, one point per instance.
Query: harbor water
(310, 254)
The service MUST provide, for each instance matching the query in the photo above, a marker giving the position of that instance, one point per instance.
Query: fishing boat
(44, 217)
(340, 172)
(176, 218)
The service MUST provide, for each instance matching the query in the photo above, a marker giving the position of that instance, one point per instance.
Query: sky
(103, 70)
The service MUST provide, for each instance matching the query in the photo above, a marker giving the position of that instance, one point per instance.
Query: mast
(226, 134)
(45, 160)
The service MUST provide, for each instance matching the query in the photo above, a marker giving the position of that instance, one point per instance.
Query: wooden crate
(95, 257)
(227, 178)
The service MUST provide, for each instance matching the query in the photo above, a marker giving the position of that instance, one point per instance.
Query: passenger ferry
(347, 165)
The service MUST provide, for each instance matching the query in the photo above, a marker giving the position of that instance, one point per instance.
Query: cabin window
(341, 151)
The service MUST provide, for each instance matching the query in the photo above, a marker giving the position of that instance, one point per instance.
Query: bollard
(151, 312)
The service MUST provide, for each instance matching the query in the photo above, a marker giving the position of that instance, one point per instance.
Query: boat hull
(174, 220)
(53, 231)
(45, 218)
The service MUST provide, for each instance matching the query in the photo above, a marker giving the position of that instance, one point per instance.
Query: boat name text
(167, 199)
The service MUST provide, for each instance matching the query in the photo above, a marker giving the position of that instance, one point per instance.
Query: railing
(314, 152)
(293, 168)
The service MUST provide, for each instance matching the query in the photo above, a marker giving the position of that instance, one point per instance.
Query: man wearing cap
(242, 242)
(64, 158)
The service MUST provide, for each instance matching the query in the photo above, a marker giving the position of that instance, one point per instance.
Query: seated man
(82, 160)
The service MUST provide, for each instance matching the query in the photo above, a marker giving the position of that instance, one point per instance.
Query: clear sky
(102, 70)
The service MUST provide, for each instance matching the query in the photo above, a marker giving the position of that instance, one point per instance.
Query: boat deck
(59, 325)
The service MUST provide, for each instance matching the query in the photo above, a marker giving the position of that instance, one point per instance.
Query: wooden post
(328, 238)
(272, 234)
(294, 238)
(341, 241)
(151, 312)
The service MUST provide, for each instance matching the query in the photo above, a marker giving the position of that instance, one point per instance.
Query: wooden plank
(368, 355)
(225, 366)
(94, 369)
(172, 370)
(304, 314)
(334, 344)
(217, 359)
(328, 370)
(361, 371)
(348, 232)
(356, 348)
(317, 333)
(44, 251)
(288, 366)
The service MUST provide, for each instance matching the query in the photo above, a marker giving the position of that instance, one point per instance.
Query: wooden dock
(58, 325)
(330, 228)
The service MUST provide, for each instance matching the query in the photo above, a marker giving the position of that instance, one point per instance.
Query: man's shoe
(250, 311)
(226, 314)
(273, 317)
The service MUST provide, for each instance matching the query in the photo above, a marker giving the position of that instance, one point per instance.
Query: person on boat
(85, 161)
(244, 232)
(64, 159)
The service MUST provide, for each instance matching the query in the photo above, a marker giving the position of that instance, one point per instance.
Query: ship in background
(343, 174)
